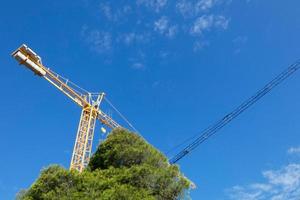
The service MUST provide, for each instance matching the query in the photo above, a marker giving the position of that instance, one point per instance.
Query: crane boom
(33, 62)
(89, 102)
(212, 130)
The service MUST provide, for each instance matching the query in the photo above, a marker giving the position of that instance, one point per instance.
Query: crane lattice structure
(89, 102)
(213, 129)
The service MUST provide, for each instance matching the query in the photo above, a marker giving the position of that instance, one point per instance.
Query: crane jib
(213, 129)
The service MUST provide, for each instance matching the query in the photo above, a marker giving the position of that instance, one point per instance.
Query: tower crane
(89, 102)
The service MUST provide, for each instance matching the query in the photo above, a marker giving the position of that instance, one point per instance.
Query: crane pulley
(89, 102)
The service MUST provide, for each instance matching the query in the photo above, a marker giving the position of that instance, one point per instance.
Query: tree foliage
(124, 167)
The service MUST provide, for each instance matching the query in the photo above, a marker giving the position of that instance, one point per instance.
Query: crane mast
(89, 102)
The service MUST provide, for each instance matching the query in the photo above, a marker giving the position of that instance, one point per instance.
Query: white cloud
(188, 8)
(202, 23)
(240, 193)
(171, 31)
(282, 184)
(163, 26)
(156, 5)
(204, 5)
(129, 38)
(261, 186)
(294, 150)
(288, 178)
(206, 22)
(138, 66)
(221, 22)
(105, 9)
(132, 37)
(240, 40)
(114, 14)
(123, 23)
(199, 45)
(138, 61)
(164, 54)
(100, 41)
(239, 43)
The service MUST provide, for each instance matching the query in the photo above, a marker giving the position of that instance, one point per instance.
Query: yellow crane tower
(89, 102)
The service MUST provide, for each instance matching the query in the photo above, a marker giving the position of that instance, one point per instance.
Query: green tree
(124, 167)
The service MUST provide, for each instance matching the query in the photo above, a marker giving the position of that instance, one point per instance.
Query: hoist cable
(121, 115)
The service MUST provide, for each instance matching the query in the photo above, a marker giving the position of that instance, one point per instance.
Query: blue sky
(173, 68)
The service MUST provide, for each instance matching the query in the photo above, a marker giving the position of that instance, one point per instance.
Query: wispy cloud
(239, 42)
(207, 22)
(281, 184)
(201, 24)
(185, 8)
(114, 14)
(189, 8)
(164, 27)
(240, 39)
(138, 66)
(204, 5)
(105, 9)
(294, 150)
(99, 41)
(221, 22)
(200, 44)
(123, 24)
(155, 5)
(138, 61)
(133, 37)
